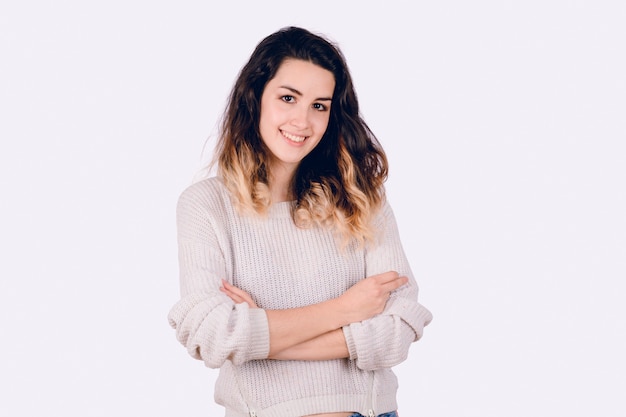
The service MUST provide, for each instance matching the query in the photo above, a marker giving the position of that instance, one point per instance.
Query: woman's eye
(288, 99)
(319, 106)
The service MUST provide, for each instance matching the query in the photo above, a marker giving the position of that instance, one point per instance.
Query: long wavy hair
(339, 184)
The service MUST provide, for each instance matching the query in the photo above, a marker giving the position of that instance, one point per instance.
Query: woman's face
(295, 109)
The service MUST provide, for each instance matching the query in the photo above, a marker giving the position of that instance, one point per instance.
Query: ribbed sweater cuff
(414, 314)
(259, 335)
(347, 334)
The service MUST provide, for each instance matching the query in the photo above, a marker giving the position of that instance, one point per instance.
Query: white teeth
(294, 138)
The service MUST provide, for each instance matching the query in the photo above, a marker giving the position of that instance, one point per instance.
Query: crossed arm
(315, 332)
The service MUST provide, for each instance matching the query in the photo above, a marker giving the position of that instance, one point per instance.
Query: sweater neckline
(280, 210)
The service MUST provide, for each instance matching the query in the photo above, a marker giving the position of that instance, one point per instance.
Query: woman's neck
(280, 184)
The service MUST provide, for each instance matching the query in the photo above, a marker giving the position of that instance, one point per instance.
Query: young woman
(293, 278)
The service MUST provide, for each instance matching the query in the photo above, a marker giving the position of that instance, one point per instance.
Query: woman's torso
(259, 258)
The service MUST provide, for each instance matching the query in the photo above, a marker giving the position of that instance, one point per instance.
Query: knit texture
(283, 266)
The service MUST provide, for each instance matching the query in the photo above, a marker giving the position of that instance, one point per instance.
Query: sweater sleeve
(207, 322)
(384, 340)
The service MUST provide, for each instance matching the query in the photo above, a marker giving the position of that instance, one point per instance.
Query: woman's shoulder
(205, 188)
(383, 213)
(208, 193)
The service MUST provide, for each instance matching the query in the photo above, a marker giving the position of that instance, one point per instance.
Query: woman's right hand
(368, 297)
(237, 295)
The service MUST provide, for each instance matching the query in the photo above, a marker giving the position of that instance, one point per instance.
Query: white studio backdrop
(504, 123)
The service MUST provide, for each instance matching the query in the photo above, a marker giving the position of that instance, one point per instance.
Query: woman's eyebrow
(298, 93)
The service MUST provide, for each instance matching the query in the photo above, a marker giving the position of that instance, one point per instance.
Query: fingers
(386, 277)
(236, 294)
(233, 292)
(390, 281)
(237, 299)
(395, 284)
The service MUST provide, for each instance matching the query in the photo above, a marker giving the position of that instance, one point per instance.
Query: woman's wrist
(328, 346)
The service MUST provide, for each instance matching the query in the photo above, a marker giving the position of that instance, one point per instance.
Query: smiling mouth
(293, 138)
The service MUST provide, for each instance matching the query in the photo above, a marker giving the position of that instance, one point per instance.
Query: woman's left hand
(237, 295)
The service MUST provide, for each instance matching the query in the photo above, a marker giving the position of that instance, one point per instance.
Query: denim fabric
(391, 414)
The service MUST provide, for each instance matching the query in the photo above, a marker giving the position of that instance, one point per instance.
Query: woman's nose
(300, 117)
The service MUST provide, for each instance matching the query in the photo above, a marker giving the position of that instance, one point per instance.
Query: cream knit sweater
(283, 266)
